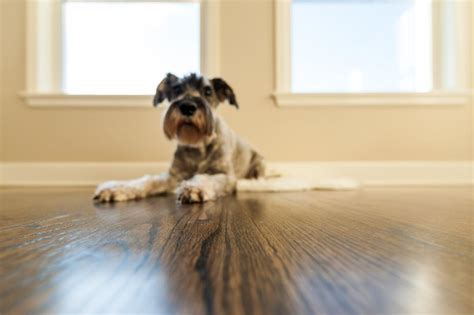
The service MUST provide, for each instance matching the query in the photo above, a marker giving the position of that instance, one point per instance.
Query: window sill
(70, 100)
(282, 99)
(372, 99)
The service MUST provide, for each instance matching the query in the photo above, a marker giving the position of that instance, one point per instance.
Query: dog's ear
(224, 91)
(163, 91)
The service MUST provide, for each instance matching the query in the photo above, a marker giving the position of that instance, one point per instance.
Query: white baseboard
(73, 173)
(369, 173)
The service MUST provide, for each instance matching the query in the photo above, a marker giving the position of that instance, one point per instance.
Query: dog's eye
(207, 91)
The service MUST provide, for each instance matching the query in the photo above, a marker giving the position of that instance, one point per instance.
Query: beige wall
(2, 124)
(339, 133)
(472, 81)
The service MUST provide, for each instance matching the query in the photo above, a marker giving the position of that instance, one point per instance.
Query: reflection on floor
(371, 251)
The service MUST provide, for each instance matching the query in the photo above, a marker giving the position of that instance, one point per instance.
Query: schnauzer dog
(209, 157)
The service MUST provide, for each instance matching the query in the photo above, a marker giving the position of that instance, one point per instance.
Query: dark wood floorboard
(371, 251)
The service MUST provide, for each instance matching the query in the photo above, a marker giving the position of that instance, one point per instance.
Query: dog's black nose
(187, 108)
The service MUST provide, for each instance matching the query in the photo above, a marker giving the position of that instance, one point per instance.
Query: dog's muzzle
(187, 108)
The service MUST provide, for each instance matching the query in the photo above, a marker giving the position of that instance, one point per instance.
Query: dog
(209, 158)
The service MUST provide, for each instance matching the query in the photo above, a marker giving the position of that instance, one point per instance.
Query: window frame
(44, 63)
(284, 97)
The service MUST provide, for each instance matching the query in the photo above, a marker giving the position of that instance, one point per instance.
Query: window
(390, 46)
(371, 47)
(125, 47)
(114, 52)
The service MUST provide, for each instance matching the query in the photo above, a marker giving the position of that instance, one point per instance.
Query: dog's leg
(203, 187)
(135, 189)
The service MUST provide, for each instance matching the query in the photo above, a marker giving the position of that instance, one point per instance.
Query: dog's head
(193, 99)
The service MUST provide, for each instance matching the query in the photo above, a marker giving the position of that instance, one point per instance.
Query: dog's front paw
(115, 191)
(192, 194)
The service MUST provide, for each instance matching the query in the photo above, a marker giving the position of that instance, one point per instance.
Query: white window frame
(285, 98)
(43, 57)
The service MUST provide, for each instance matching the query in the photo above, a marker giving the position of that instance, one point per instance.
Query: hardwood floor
(371, 251)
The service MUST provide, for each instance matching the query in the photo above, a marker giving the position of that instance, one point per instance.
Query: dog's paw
(192, 194)
(116, 191)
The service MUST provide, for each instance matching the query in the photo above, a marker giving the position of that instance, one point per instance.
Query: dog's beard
(188, 131)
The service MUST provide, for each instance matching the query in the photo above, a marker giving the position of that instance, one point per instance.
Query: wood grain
(371, 251)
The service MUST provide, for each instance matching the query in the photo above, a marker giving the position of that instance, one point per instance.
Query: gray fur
(209, 157)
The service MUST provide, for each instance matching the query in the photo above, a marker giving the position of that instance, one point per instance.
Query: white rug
(277, 181)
